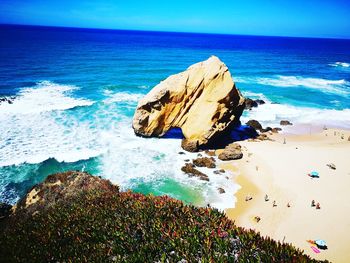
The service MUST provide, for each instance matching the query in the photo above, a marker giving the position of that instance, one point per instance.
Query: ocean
(76, 91)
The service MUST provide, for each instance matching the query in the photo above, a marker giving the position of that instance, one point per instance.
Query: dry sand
(280, 171)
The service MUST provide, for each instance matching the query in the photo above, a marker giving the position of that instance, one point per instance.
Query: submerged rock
(203, 101)
(232, 151)
(205, 162)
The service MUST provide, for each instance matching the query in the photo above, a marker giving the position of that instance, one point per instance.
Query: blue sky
(314, 18)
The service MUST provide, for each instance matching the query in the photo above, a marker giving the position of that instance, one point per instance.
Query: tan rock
(232, 151)
(205, 162)
(203, 101)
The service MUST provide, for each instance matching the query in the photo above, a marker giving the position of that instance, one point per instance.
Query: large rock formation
(61, 186)
(203, 101)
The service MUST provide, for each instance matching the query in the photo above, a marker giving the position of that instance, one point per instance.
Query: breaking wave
(339, 87)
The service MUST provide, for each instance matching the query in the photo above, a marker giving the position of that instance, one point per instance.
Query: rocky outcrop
(59, 187)
(205, 162)
(232, 151)
(203, 101)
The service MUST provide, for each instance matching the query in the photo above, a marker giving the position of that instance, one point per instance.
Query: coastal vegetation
(76, 217)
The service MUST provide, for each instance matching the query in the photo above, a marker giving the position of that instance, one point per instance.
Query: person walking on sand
(313, 203)
(266, 198)
(318, 206)
(288, 204)
(274, 203)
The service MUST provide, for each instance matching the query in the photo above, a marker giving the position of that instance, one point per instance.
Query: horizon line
(164, 31)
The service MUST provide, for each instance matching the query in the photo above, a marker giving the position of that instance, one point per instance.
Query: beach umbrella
(314, 174)
(321, 243)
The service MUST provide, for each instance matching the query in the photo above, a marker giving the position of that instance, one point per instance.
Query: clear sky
(314, 18)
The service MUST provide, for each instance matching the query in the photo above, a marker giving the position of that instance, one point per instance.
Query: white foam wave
(253, 95)
(271, 114)
(32, 130)
(339, 87)
(131, 160)
(45, 96)
(340, 64)
(122, 97)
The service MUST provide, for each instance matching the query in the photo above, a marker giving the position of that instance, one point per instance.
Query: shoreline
(280, 171)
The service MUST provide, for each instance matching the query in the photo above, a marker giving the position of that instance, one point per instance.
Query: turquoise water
(76, 91)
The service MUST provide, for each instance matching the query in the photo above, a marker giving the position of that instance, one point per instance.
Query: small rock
(276, 129)
(221, 190)
(199, 155)
(205, 162)
(187, 160)
(181, 153)
(190, 146)
(254, 124)
(249, 104)
(332, 166)
(349, 138)
(267, 129)
(260, 102)
(210, 153)
(190, 169)
(285, 122)
(231, 152)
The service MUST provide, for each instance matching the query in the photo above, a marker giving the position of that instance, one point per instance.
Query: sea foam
(340, 64)
(45, 96)
(102, 130)
(270, 114)
(32, 128)
(339, 87)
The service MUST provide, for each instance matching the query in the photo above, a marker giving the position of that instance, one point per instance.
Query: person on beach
(288, 204)
(266, 198)
(318, 206)
(313, 203)
(274, 203)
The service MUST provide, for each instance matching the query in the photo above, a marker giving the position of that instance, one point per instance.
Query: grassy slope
(107, 226)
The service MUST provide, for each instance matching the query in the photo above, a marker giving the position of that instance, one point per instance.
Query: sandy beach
(281, 171)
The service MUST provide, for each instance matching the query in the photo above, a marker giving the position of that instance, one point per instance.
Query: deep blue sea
(76, 91)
